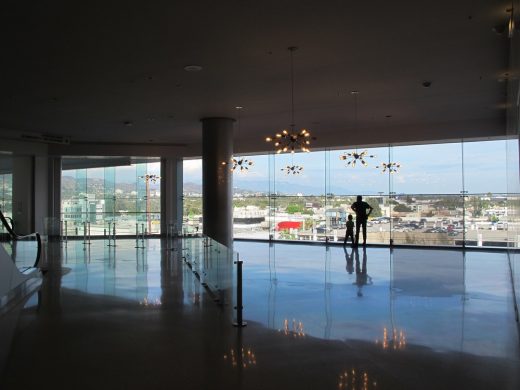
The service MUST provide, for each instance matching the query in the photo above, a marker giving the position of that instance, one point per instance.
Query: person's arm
(353, 207)
(370, 208)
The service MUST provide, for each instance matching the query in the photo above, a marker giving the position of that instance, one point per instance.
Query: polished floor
(318, 318)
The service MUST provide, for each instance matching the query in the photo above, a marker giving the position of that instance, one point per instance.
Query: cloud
(192, 166)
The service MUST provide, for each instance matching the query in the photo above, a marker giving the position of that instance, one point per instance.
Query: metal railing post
(239, 307)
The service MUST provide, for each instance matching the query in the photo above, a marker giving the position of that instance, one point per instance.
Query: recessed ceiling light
(128, 123)
(239, 107)
(388, 116)
(426, 84)
(193, 68)
(354, 92)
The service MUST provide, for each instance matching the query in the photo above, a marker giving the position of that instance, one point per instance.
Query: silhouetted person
(362, 278)
(360, 208)
(350, 261)
(350, 230)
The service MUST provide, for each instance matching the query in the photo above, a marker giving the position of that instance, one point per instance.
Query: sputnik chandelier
(150, 177)
(353, 157)
(240, 164)
(292, 169)
(291, 140)
(391, 167)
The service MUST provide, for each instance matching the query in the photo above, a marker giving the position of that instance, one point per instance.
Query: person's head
(359, 198)
(350, 217)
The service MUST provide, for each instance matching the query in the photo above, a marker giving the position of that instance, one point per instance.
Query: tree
(294, 208)
(401, 208)
(376, 210)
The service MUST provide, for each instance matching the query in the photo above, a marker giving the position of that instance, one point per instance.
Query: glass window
(112, 194)
(251, 202)
(428, 169)
(192, 195)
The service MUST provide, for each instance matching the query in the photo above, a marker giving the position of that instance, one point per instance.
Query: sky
(425, 169)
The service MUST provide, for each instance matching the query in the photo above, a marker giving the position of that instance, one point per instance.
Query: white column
(217, 179)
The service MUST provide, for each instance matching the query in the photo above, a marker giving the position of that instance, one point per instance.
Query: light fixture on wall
(391, 167)
(511, 22)
(291, 140)
(353, 157)
(240, 164)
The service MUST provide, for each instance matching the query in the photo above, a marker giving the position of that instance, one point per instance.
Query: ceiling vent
(46, 138)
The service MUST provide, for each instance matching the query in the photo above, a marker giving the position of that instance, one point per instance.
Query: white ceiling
(82, 69)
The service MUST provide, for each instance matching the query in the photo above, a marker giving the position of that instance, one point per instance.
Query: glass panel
(154, 198)
(358, 180)
(427, 219)
(300, 204)
(422, 203)
(251, 200)
(428, 169)
(309, 181)
(419, 218)
(301, 218)
(192, 195)
(485, 167)
(6, 187)
(485, 182)
(111, 194)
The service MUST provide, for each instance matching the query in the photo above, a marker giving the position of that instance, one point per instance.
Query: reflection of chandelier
(396, 341)
(353, 157)
(150, 177)
(392, 167)
(290, 141)
(356, 380)
(296, 330)
(244, 358)
(292, 169)
(240, 164)
(150, 303)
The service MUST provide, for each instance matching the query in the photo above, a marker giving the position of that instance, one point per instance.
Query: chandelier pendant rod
(292, 49)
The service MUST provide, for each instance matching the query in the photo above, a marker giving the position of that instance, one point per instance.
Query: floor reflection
(149, 276)
(441, 299)
(138, 318)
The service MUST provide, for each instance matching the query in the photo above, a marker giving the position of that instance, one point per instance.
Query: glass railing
(214, 264)
(101, 224)
(24, 253)
(413, 219)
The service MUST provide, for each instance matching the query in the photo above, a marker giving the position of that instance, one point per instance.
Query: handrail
(16, 237)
